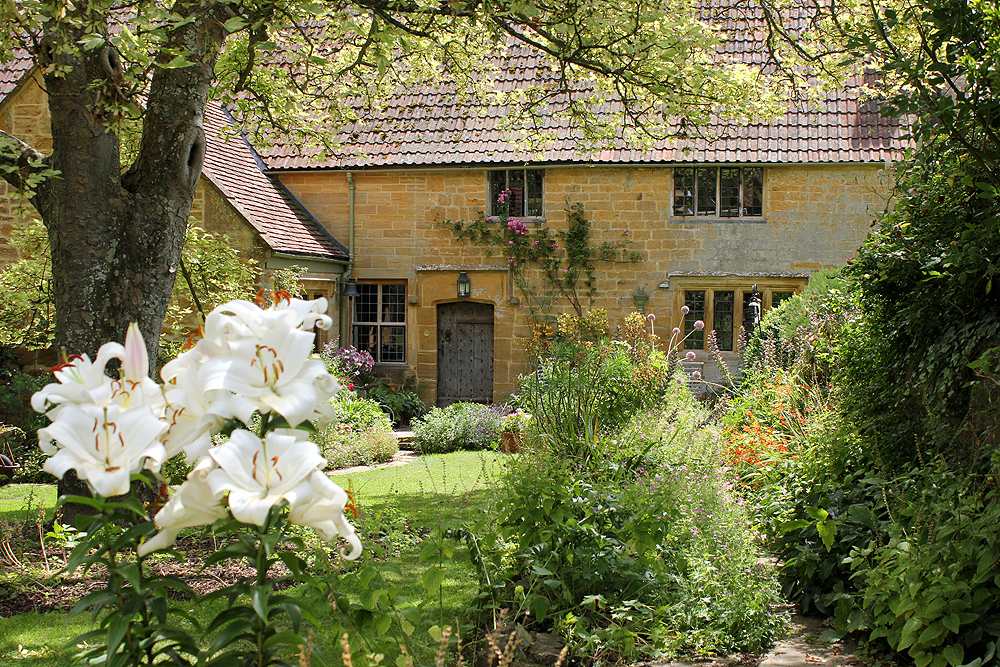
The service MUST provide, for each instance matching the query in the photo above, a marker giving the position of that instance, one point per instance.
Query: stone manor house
(727, 227)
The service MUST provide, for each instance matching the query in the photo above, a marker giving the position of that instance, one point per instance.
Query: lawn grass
(22, 502)
(400, 506)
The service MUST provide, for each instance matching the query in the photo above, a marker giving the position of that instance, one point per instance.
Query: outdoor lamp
(464, 285)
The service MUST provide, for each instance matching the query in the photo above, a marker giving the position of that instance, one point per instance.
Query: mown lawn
(401, 507)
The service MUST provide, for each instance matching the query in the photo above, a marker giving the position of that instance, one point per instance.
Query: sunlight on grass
(36, 640)
(21, 502)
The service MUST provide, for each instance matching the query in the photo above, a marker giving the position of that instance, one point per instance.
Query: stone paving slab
(801, 648)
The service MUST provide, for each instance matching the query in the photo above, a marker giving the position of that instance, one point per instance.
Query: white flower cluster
(250, 360)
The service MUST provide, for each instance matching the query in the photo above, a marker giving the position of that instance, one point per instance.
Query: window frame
(693, 192)
(379, 324)
(491, 199)
(766, 286)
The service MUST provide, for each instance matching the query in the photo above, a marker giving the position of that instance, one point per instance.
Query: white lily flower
(193, 504)
(272, 373)
(191, 417)
(104, 444)
(76, 379)
(258, 474)
(319, 504)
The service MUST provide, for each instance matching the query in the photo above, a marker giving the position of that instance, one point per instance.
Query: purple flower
(699, 325)
(685, 310)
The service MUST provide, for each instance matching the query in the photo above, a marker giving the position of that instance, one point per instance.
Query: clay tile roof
(235, 168)
(13, 72)
(430, 128)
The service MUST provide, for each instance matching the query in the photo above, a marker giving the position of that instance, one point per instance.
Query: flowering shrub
(459, 426)
(252, 365)
(351, 365)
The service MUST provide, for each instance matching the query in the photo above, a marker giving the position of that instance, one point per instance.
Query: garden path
(801, 648)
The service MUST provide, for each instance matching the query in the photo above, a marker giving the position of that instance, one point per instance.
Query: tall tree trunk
(116, 239)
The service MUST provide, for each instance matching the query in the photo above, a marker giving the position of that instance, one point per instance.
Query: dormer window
(719, 192)
(525, 185)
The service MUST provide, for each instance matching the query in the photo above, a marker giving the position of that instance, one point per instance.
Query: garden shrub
(404, 403)
(583, 386)
(360, 433)
(933, 588)
(640, 549)
(469, 426)
(15, 403)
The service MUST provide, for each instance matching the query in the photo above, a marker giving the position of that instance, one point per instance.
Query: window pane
(683, 191)
(515, 181)
(393, 303)
(498, 183)
(777, 298)
(751, 311)
(694, 339)
(729, 192)
(533, 202)
(366, 303)
(753, 191)
(393, 344)
(707, 178)
(365, 338)
(722, 319)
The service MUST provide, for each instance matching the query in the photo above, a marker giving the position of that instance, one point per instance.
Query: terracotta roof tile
(235, 169)
(13, 71)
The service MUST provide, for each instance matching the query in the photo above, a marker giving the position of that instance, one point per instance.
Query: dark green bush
(404, 403)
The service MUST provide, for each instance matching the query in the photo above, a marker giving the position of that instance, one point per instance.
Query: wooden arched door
(465, 352)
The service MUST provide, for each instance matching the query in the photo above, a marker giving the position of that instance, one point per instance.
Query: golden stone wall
(814, 217)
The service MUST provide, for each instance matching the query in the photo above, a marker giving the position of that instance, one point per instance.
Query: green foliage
(405, 404)
(565, 258)
(359, 434)
(27, 316)
(15, 403)
(925, 278)
(933, 589)
(469, 426)
(583, 386)
(638, 551)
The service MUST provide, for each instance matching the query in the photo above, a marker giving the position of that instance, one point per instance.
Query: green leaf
(909, 634)
(235, 24)
(952, 622)
(258, 598)
(954, 654)
(433, 578)
(435, 632)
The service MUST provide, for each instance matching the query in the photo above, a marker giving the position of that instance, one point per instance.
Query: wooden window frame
(379, 323)
(767, 286)
(491, 194)
(693, 189)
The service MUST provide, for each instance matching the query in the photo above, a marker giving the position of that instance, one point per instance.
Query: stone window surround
(739, 285)
(493, 190)
(681, 219)
(379, 323)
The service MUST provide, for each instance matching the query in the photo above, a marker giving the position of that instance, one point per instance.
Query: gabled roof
(14, 71)
(235, 168)
(430, 128)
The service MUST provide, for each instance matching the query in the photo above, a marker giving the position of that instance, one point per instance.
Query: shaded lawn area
(400, 508)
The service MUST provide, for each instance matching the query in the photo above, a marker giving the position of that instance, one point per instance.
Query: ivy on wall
(564, 260)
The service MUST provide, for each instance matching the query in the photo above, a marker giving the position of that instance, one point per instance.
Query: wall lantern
(464, 285)
(640, 297)
(348, 288)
